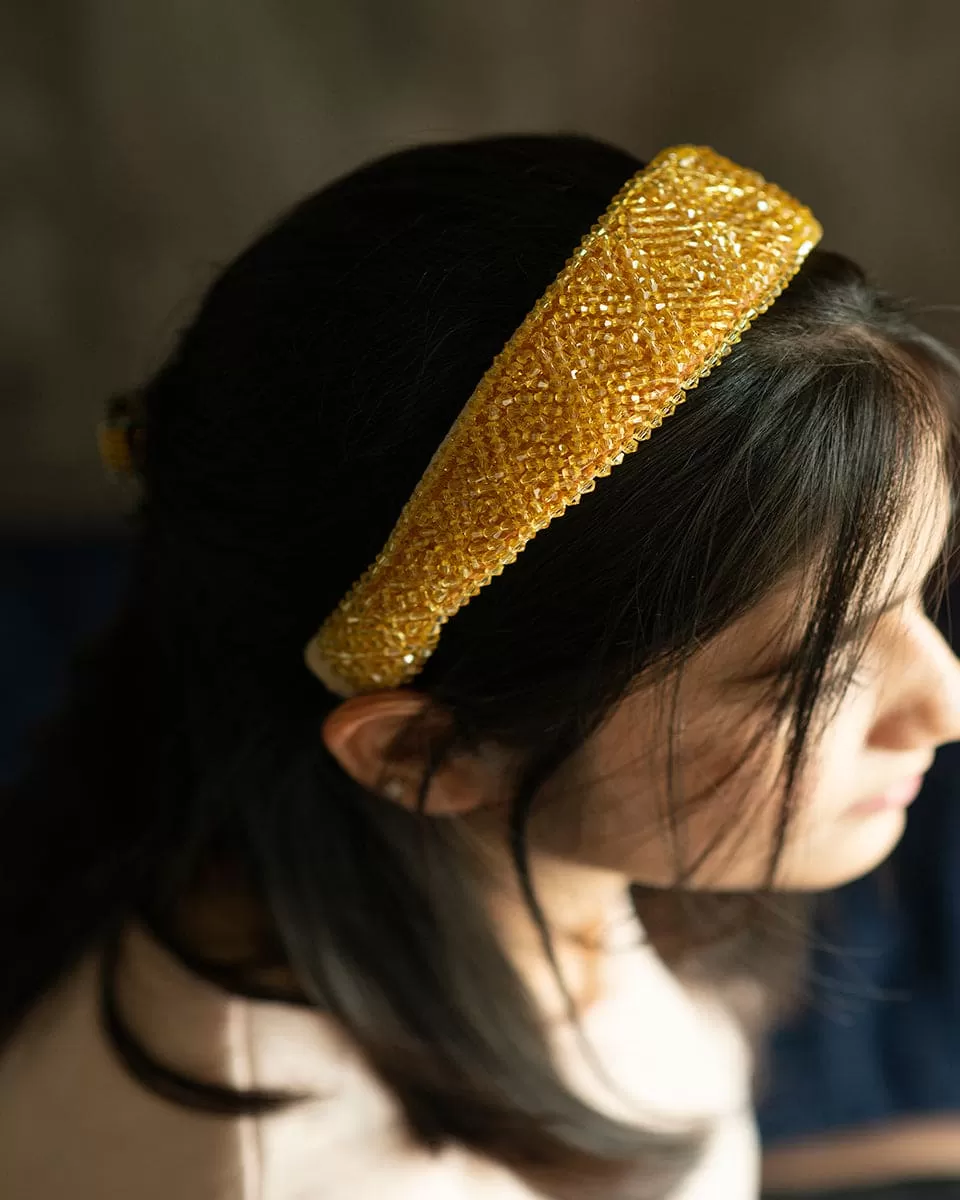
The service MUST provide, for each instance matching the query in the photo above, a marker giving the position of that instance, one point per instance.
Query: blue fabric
(53, 595)
(883, 1034)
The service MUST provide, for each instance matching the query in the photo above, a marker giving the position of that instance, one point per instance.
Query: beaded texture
(689, 252)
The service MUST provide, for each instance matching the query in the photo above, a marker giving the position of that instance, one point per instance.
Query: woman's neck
(222, 921)
(581, 907)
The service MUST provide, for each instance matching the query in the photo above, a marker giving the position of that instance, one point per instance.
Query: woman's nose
(924, 710)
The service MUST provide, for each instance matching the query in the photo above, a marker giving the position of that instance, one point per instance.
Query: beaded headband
(688, 254)
(690, 251)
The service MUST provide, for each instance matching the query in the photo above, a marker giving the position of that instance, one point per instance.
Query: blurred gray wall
(143, 143)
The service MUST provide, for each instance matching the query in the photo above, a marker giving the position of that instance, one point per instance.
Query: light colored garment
(75, 1126)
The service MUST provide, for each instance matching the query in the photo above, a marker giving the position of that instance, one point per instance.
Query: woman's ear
(364, 735)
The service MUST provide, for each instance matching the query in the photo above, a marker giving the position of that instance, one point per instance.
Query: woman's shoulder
(75, 1124)
(667, 1055)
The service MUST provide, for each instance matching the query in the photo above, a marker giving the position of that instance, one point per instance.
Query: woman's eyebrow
(852, 632)
(864, 622)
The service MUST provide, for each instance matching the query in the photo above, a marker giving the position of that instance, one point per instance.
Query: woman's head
(834, 409)
(686, 782)
(657, 687)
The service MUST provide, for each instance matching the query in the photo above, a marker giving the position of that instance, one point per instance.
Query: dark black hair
(280, 442)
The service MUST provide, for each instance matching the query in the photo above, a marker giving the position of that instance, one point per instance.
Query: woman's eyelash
(840, 684)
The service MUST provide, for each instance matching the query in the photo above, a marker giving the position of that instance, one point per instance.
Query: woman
(498, 918)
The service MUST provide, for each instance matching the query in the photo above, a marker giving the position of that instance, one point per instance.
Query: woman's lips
(899, 796)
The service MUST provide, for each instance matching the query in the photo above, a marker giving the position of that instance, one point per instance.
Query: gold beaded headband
(690, 251)
(688, 254)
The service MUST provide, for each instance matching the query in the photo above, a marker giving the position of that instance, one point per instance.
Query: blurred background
(143, 144)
